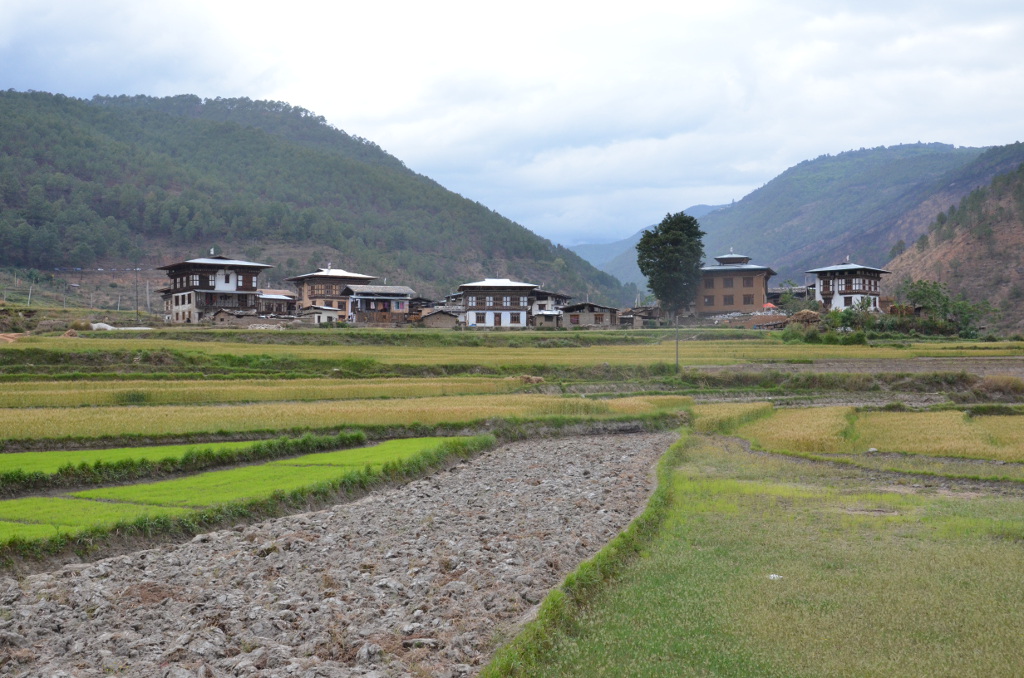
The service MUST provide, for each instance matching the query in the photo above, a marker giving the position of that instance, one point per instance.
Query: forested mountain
(859, 203)
(151, 180)
(976, 248)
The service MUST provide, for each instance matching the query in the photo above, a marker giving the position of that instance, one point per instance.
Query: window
(748, 281)
(515, 318)
(847, 301)
(709, 283)
(490, 301)
(194, 280)
(472, 301)
(709, 301)
(727, 282)
(506, 301)
(727, 300)
(523, 301)
(227, 277)
(481, 318)
(748, 299)
(574, 318)
(599, 318)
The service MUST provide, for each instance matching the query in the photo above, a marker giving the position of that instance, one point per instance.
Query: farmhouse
(497, 302)
(325, 288)
(276, 302)
(378, 303)
(732, 285)
(201, 287)
(543, 300)
(847, 285)
(587, 314)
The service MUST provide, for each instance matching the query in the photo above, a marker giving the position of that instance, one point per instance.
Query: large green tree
(670, 256)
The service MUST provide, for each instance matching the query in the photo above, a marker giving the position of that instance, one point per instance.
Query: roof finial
(847, 258)
(730, 250)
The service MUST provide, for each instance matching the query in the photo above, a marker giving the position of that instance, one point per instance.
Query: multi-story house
(846, 285)
(733, 285)
(496, 302)
(324, 289)
(201, 287)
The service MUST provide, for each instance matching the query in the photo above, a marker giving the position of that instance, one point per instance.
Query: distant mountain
(975, 247)
(605, 253)
(858, 203)
(126, 180)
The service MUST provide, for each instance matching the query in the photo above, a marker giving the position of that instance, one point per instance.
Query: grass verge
(531, 650)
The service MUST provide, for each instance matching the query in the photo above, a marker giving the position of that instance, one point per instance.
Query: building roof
(498, 282)
(539, 291)
(215, 261)
(733, 268)
(441, 311)
(840, 268)
(584, 304)
(393, 290)
(283, 293)
(276, 297)
(333, 273)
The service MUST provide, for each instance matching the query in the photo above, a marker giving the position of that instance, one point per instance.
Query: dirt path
(8, 338)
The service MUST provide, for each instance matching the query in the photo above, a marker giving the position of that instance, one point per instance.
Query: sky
(583, 121)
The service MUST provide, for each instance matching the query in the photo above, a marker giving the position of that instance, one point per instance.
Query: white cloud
(579, 120)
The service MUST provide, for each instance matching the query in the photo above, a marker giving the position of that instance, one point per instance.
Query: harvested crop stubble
(181, 419)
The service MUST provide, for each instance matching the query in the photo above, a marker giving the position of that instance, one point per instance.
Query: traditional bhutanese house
(543, 300)
(497, 302)
(587, 314)
(440, 319)
(418, 307)
(201, 287)
(733, 285)
(325, 288)
(845, 285)
(378, 303)
(276, 302)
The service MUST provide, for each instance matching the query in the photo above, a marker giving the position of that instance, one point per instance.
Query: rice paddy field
(773, 567)
(51, 423)
(818, 557)
(698, 351)
(41, 517)
(193, 392)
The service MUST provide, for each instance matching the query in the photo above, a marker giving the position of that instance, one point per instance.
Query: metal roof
(726, 268)
(839, 268)
(333, 273)
(216, 261)
(401, 290)
(497, 282)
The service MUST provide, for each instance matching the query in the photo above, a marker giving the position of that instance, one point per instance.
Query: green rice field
(50, 462)
(41, 517)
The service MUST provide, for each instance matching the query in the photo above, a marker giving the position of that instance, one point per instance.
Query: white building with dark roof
(201, 287)
(497, 302)
(847, 285)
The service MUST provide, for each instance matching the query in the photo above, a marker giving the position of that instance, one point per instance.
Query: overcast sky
(583, 121)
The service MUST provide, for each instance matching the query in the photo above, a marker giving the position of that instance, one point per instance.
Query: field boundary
(526, 654)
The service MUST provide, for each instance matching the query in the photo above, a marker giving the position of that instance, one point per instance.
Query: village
(221, 291)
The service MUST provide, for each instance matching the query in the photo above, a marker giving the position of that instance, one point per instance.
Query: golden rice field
(813, 429)
(722, 417)
(837, 430)
(719, 352)
(190, 392)
(182, 419)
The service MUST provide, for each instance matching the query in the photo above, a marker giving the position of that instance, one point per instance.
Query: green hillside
(858, 203)
(124, 179)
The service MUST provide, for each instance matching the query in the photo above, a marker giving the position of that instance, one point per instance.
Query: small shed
(588, 314)
(440, 319)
